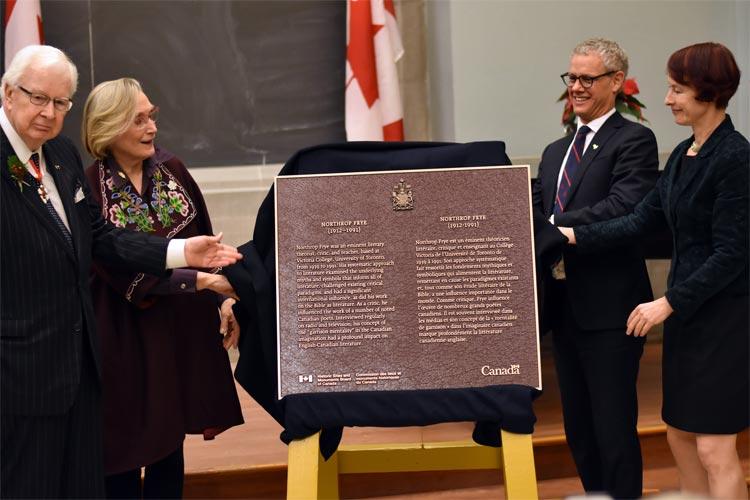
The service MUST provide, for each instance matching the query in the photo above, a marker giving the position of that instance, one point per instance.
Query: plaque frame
(405, 173)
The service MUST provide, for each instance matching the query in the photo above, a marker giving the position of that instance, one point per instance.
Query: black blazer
(618, 169)
(47, 318)
(708, 218)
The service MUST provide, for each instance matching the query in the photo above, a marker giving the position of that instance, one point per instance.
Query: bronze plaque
(399, 280)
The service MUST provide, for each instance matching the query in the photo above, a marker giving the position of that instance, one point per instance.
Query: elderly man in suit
(600, 172)
(50, 228)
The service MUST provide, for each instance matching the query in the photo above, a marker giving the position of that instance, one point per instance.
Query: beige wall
(494, 65)
(233, 195)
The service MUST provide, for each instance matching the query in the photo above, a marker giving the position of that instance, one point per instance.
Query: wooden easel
(310, 477)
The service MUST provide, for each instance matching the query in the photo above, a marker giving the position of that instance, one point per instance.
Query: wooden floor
(256, 446)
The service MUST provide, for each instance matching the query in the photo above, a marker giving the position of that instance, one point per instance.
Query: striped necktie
(571, 166)
(50, 208)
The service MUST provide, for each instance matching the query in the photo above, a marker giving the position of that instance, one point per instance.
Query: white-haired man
(49, 386)
(599, 173)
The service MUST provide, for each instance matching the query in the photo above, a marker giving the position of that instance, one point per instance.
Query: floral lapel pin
(594, 146)
(17, 171)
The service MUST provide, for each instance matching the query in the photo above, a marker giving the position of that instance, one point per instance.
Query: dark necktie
(50, 208)
(571, 166)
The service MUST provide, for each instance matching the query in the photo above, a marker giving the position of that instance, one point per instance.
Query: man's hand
(647, 315)
(216, 282)
(208, 251)
(229, 327)
(568, 233)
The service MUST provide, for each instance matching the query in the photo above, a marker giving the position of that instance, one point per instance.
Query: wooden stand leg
(518, 466)
(308, 475)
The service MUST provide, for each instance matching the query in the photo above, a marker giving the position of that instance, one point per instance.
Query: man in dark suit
(50, 228)
(600, 172)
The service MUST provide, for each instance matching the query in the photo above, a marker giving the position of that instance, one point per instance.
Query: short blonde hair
(109, 110)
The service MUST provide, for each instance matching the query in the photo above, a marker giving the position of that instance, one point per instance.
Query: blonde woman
(165, 370)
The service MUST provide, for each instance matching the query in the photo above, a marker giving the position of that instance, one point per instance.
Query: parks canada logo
(487, 370)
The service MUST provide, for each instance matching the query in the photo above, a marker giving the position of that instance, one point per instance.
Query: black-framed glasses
(60, 103)
(142, 119)
(586, 81)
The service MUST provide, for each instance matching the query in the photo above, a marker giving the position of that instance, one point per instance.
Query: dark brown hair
(709, 68)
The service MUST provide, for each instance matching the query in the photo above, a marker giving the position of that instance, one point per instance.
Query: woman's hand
(229, 328)
(568, 233)
(647, 315)
(216, 282)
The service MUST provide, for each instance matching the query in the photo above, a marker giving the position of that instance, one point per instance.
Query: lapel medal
(42, 193)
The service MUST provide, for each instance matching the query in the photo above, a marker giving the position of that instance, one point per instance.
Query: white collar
(596, 123)
(22, 150)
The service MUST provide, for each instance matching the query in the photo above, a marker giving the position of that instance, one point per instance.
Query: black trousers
(597, 373)
(162, 479)
(57, 456)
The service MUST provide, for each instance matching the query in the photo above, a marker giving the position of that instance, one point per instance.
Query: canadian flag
(22, 26)
(373, 99)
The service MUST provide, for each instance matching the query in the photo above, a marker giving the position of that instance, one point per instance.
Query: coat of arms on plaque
(402, 196)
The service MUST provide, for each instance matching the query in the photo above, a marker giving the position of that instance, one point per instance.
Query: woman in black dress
(702, 197)
(165, 371)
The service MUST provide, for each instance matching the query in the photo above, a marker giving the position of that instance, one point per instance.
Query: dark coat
(165, 371)
(613, 177)
(707, 215)
(45, 301)
(703, 200)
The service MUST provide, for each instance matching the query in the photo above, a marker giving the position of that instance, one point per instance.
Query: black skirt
(705, 368)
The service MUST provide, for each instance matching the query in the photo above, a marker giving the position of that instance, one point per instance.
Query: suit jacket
(613, 177)
(706, 209)
(47, 317)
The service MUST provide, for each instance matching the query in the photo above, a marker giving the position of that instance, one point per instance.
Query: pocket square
(79, 195)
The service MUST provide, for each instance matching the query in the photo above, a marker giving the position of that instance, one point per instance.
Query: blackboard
(237, 82)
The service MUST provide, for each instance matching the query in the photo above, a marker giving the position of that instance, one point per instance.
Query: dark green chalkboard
(238, 82)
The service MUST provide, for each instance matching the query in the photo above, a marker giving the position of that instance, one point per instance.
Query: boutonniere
(17, 171)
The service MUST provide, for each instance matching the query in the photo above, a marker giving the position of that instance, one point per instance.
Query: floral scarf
(164, 208)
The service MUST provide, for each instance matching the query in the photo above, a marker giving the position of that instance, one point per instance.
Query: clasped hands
(644, 316)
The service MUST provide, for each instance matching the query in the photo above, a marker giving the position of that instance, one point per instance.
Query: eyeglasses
(37, 99)
(141, 120)
(585, 80)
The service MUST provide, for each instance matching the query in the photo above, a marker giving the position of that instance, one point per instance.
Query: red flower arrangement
(626, 103)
